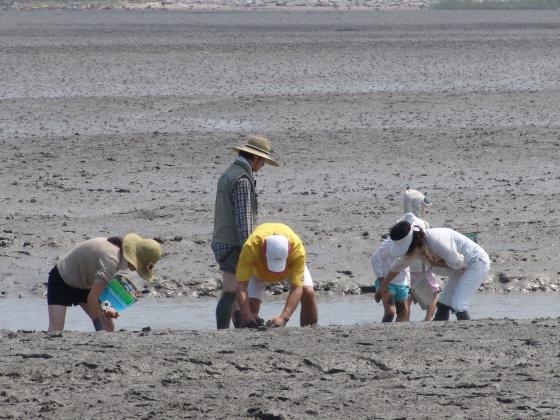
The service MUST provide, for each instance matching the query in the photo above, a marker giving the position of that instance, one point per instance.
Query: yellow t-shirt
(253, 262)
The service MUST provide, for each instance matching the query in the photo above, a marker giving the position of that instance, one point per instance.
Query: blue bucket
(119, 294)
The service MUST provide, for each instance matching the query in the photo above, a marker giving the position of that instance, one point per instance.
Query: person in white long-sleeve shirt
(395, 294)
(466, 263)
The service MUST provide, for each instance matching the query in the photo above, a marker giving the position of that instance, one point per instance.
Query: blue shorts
(399, 292)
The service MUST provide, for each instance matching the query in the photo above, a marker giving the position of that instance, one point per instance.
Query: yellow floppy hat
(258, 146)
(142, 254)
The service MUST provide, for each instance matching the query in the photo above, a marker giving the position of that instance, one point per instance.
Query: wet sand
(116, 121)
(480, 369)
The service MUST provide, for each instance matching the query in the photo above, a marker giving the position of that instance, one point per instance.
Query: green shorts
(398, 291)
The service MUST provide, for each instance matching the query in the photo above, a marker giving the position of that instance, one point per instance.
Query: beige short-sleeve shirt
(95, 260)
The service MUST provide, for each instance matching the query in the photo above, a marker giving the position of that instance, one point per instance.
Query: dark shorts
(226, 256)
(59, 293)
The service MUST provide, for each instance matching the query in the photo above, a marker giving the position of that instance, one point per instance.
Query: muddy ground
(116, 121)
(472, 370)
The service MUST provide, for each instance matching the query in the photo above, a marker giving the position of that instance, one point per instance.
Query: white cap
(276, 252)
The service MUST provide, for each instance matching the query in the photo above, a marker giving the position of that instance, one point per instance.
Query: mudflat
(114, 121)
(471, 370)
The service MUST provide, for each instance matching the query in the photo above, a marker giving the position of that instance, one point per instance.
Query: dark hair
(418, 237)
(401, 229)
(115, 240)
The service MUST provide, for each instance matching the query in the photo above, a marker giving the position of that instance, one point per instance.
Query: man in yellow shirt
(272, 253)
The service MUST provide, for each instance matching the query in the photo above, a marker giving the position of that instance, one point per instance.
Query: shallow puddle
(198, 314)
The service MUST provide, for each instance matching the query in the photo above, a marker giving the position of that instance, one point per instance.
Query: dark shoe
(463, 316)
(442, 312)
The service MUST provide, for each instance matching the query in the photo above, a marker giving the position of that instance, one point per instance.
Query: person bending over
(466, 263)
(272, 253)
(80, 276)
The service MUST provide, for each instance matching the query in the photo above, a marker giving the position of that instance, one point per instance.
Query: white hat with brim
(399, 247)
(258, 146)
(142, 254)
(276, 250)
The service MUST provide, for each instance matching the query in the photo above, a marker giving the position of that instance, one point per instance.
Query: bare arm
(93, 307)
(384, 283)
(243, 300)
(292, 301)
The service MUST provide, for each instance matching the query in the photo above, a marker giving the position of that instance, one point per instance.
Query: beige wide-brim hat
(258, 146)
(142, 254)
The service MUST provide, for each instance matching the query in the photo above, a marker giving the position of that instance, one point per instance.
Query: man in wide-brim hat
(235, 217)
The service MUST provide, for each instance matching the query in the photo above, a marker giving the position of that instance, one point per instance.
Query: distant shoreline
(268, 5)
(222, 5)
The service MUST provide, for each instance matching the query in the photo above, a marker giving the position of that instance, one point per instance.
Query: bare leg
(309, 314)
(255, 305)
(57, 318)
(402, 310)
(431, 310)
(409, 303)
(388, 307)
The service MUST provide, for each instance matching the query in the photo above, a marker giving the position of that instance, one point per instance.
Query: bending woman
(465, 261)
(80, 276)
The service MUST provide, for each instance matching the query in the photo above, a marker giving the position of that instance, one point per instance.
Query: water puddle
(198, 314)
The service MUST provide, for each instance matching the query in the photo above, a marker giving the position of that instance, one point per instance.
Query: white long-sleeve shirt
(455, 249)
(381, 262)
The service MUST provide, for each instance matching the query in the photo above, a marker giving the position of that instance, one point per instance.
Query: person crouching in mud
(467, 263)
(81, 275)
(272, 253)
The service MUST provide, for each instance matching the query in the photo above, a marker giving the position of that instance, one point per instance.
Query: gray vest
(224, 225)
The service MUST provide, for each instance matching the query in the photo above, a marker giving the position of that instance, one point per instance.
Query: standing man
(235, 216)
(272, 253)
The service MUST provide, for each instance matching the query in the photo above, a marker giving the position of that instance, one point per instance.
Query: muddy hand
(110, 313)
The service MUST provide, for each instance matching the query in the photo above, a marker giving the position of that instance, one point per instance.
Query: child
(394, 294)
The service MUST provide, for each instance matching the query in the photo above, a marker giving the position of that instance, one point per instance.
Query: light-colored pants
(461, 285)
(256, 286)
